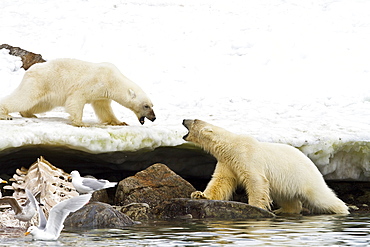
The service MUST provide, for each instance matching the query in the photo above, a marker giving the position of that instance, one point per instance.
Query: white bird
(50, 229)
(89, 185)
(22, 212)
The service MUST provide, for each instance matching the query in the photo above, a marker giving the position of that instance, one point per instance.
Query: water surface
(323, 230)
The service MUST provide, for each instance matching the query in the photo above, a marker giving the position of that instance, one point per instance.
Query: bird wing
(93, 183)
(12, 202)
(31, 199)
(35, 203)
(42, 218)
(60, 212)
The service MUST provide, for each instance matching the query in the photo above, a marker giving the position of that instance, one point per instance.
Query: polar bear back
(72, 72)
(91, 80)
(294, 160)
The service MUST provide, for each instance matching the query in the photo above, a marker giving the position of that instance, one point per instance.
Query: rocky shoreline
(154, 193)
(157, 192)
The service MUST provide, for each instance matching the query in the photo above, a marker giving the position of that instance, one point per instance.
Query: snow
(282, 71)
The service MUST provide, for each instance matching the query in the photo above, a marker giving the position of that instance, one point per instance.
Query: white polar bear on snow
(73, 83)
(270, 172)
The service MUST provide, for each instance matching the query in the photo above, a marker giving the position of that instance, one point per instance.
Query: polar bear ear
(132, 93)
(207, 129)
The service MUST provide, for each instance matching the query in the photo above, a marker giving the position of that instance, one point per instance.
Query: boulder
(28, 58)
(100, 196)
(97, 215)
(153, 186)
(136, 211)
(184, 208)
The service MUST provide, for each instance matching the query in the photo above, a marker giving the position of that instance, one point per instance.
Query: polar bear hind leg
(27, 114)
(74, 106)
(4, 115)
(19, 102)
(289, 206)
(38, 108)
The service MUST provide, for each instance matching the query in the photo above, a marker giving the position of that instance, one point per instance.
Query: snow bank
(98, 139)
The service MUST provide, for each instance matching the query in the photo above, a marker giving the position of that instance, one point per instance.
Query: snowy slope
(282, 71)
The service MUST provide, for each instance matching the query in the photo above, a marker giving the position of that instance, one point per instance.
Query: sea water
(322, 230)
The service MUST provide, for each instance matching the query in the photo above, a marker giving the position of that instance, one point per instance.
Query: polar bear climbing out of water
(269, 172)
(73, 83)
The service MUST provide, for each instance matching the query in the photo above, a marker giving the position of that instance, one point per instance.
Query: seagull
(2, 182)
(22, 212)
(50, 229)
(89, 185)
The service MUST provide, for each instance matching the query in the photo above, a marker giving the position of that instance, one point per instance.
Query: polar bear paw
(5, 117)
(27, 114)
(282, 211)
(117, 124)
(81, 124)
(198, 195)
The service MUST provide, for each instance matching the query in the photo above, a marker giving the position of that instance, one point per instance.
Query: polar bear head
(141, 106)
(145, 111)
(211, 138)
(199, 131)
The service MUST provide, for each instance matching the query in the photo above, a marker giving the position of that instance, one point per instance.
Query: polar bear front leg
(104, 112)
(221, 186)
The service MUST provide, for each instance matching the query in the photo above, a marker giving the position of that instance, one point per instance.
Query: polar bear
(73, 83)
(269, 172)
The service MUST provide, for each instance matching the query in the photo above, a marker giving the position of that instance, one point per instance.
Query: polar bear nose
(187, 122)
(151, 116)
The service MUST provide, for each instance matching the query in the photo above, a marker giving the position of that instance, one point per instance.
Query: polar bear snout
(187, 123)
(151, 116)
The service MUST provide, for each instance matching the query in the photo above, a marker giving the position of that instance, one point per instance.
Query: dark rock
(28, 58)
(136, 211)
(97, 215)
(183, 208)
(100, 196)
(153, 185)
(364, 199)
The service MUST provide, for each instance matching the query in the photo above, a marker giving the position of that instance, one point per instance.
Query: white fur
(73, 83)
(269, 172)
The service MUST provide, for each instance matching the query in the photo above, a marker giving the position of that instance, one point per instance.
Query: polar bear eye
(146, 107)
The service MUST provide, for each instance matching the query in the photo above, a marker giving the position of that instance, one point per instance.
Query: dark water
(323, 230)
